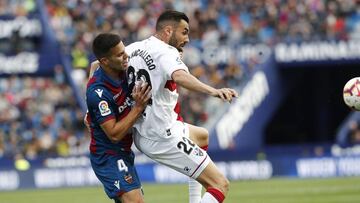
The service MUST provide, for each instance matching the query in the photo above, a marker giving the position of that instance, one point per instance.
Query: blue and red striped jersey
(106, 99)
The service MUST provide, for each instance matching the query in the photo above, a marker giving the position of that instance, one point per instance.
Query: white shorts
(175, 151)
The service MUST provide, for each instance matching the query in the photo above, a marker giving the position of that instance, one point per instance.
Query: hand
(141, 95)
(95, 64)
(226, 94)
(353, 125)
(86, 123)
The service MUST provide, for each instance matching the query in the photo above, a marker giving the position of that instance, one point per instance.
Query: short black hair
(170, 16)
(103, 43)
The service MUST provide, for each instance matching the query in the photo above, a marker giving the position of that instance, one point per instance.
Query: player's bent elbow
(115, 137)
(179, 76)
(223, 184)
(204, 135)
(226, 185)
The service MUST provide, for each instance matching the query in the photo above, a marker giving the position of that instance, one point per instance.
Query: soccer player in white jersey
(161, 133)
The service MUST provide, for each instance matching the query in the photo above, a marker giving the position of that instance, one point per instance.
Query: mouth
(180, 48)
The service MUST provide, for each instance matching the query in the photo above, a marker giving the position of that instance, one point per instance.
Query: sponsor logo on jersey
(104, 108)
(131, 78)
(128, 178)
(99, 92)
(117, 95)
(128, 102)
(117, 184)
(168, 132)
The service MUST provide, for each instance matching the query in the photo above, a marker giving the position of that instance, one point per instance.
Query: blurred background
(289, 59)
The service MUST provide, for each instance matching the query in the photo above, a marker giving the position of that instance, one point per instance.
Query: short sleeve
(170, 61)
(99, 105)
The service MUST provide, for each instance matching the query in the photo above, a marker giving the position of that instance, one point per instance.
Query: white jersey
(154, 61)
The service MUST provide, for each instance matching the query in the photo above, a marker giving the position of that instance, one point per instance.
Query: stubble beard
(174, 42)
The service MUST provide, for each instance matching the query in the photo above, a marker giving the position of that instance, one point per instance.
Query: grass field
(337, 190)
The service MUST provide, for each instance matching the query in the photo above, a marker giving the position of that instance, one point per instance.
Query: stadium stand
(234, 22)
(212, 23)
(40, 116)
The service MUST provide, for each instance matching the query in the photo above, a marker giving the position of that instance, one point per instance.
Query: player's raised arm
(94, 65)
(188, 81)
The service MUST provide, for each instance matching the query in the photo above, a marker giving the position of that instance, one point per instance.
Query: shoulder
(168, 50)
(97, 90)
(133, 46)
(161, 46)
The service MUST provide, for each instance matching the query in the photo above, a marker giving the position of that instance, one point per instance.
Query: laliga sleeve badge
(128, 178)
(179, 61)
(104, 108)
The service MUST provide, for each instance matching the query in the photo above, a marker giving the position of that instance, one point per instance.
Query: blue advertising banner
(290, 166)
(27, 46)
(243, 124)
(323, 52)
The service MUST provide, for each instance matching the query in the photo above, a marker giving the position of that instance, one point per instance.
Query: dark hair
(170, 16)
(103, 43)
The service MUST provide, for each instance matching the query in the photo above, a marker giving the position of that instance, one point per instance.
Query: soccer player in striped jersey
(110, 119)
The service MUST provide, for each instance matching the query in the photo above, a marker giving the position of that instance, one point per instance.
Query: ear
(168, 30)
(104, 61)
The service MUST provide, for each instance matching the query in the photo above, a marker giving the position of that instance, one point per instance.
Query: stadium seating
(55, 124)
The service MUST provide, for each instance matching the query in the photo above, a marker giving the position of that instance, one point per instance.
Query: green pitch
(344, 190)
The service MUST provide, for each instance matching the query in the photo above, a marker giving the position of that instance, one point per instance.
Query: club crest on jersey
(128, 178)
(198, 152)
(104, 108)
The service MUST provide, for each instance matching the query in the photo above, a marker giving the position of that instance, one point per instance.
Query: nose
(187, 40)
(126, 56)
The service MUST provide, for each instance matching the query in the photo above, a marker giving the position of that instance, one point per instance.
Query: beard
(174, 42)
(118, 67)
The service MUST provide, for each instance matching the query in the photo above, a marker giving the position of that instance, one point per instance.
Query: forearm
(119, 129)
(190, 82)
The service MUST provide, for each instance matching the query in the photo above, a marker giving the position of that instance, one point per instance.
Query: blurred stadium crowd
(40, 116)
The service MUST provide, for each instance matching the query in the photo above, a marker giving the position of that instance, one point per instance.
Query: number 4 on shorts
(122, 166)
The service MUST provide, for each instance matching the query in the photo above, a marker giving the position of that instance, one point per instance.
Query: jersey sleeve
(99, 105)
(170, 61)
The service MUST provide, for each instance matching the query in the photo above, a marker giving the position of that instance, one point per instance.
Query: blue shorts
(116, 172)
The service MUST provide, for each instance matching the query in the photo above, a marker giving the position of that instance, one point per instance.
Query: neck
(161, 37)
(114, 74)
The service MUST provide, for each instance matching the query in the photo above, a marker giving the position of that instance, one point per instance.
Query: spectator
(213, 23)
(38, 117)
(354, 133)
